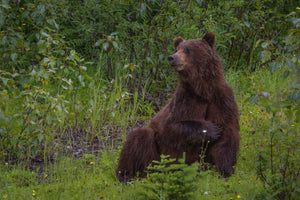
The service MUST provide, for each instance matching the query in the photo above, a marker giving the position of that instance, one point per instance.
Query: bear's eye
(186, 51)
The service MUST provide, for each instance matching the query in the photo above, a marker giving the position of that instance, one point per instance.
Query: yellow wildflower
(92, 163)
(22, 8)
(26, 85)
(238, 196)
(4, 197)
(23, 24)
(292, 125)
(298, 8)
(33, 6)
(119, 172)
(240, 182)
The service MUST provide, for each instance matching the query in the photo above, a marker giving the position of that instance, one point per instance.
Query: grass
(92, 176)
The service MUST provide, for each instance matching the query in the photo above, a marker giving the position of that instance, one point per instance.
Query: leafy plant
(276, 163)
(170, 180)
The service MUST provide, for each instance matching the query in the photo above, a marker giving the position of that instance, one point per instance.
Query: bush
(169, 180)
(277, 162)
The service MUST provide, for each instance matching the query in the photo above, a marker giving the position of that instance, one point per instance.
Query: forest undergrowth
(77, 76)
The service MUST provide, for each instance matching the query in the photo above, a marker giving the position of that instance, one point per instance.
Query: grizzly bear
(203, 110)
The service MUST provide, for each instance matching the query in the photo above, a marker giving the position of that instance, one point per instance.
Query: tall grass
(92, 175)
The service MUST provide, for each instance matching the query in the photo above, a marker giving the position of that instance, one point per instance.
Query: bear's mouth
(178, 67)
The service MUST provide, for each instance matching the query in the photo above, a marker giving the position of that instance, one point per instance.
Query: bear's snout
(171, 59)
(176, 62)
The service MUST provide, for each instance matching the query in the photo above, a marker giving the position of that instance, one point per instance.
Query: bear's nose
(171, 59)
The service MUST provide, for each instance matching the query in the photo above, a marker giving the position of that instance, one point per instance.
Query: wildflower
(4, 197)
(92, 163)
(298, 8)
(26, 85)
(238, 196)
(240, 182)
(22, 8)
(19, 28)
(33, 192)
(23, 24)
(233, 166)
(230, 198)
(33, 6)
(204, 131)
(119, 172)
(205, 193)
(292, 125)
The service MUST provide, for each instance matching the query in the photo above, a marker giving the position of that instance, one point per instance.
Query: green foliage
(66, 179)
(276, 164)
(75, 76)
(69, 178)
(20, 177)
(169, 180)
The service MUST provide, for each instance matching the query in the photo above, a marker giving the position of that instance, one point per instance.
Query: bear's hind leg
(138, 152)
(223, 155)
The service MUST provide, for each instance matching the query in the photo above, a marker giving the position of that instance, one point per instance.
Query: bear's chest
(188, 109)
(184, 109)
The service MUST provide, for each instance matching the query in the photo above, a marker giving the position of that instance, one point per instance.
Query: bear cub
(203, 112)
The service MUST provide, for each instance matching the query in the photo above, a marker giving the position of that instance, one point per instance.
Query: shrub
(169, 180)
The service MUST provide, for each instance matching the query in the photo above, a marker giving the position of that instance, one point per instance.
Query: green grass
(93, 177)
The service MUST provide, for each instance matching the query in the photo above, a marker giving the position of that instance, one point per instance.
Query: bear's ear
(210, 39)
(177, 41)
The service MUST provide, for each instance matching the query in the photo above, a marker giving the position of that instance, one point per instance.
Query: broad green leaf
(265, 55)
(13, 56)
(286, 74)
(115, 44)
(274, 66)
(80, 78)
(105, 46)
(264, 45)
(83, 68)
(5, 4)
(40, 137)
(98, 42)
(254, 98)
(291, 65)
(41, 9)
(5, 80)
(199, 2)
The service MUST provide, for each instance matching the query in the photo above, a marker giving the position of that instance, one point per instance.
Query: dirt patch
(76, 142)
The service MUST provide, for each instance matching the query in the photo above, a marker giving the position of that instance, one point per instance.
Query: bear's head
(196, 59)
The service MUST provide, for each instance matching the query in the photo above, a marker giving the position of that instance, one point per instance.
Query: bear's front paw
(213, 133)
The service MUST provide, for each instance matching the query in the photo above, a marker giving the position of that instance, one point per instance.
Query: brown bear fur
(203, 109)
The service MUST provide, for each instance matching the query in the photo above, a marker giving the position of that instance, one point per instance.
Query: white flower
(205, 193)
(204, 131)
